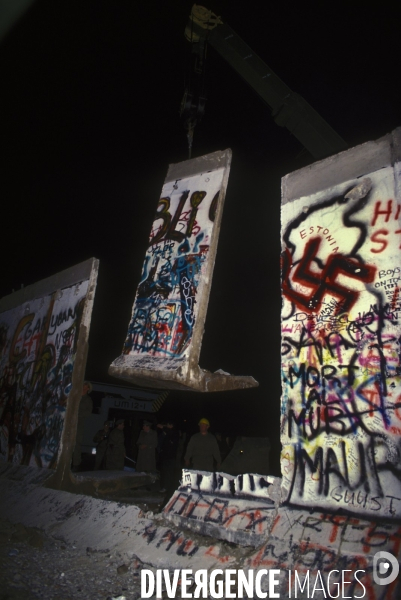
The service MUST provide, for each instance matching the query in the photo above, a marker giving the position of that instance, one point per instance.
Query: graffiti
(386, 212)
(341, 348)
(233, 508)
(246, 485)
(37, 353)
(168, 540)
(318, 229)
(221, 511)
(173, 542)
(324, 283)
(165, 309)
(327, 543)
(380, 237)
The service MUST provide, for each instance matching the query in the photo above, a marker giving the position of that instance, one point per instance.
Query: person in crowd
(223, 446)
(169, 466)
(115, 453)
(203, 449)
(84, 410)
(181, 448)
(147, 444)
(160, 429)
(101, 441)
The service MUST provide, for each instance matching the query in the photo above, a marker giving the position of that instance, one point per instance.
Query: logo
(385, 568)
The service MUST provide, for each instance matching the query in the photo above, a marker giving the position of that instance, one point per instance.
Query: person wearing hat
(115, 454)
(84, 410)
(203, 449)
(147, 444)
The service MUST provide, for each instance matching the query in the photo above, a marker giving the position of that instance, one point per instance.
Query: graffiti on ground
(328, 545)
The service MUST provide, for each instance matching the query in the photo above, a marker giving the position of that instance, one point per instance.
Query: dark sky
(90, 121)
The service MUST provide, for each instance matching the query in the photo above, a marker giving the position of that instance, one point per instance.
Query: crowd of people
(164, 448)
(161, 449)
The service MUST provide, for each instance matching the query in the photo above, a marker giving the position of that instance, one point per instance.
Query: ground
(35, 566)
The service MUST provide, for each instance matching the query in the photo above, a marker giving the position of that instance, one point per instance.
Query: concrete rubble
(292, 540)
(236, 509)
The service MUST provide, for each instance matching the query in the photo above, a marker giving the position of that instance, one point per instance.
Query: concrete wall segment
(44, 287)
(45, 330)
(198, 165)
(179, 261)
(238, 509)
(341, 368)
(350, 164)
(165, 333)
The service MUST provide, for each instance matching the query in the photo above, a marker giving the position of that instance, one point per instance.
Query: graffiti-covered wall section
(341, 327)
(165, 332)
(40, 331)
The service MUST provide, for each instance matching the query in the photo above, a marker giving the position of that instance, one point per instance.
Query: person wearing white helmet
(203, 449)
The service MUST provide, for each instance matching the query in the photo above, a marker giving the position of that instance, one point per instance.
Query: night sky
(90, 99)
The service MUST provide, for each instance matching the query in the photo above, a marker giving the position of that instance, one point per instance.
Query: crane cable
(190, 121)
(193, 102)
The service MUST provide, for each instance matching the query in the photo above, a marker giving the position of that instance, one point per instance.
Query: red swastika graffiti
(324, 282)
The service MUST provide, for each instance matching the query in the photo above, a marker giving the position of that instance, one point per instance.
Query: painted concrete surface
(247, 485)
(166, 305)
(297, 540)
(240, 521)
(84, 522)
(43, 336)
(321, 543)
(341, 326)
(236, 509)
(165, 332)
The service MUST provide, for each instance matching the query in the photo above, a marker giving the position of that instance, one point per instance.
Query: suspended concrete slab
(165, 333)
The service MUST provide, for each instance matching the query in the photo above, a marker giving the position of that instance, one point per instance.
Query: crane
(288, 108)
